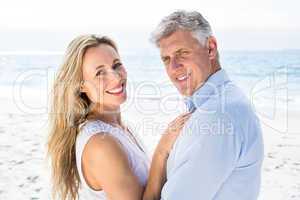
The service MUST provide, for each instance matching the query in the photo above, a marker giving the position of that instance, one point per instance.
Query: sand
(24, 173)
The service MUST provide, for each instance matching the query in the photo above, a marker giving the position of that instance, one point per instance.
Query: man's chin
(184, 89)
(185, 92)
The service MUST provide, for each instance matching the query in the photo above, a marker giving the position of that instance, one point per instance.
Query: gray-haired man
(219, 153)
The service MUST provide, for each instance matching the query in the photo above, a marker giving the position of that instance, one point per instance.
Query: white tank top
(137, 157)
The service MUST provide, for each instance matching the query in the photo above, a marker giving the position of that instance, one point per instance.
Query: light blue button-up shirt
(219, 153)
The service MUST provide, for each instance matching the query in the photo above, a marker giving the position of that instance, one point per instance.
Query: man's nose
(175, 64)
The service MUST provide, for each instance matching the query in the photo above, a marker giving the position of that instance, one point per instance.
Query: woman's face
(104, 77)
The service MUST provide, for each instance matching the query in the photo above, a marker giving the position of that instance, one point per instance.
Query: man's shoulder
(230, 106)
(229, 99)
(235, 100)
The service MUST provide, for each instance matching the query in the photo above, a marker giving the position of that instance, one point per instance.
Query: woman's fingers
(173, 131)
(176, 125)
(182, 117)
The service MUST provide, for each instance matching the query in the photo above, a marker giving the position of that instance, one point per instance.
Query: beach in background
(270, 79)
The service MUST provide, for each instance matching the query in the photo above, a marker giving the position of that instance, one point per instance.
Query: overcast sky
(34, 25)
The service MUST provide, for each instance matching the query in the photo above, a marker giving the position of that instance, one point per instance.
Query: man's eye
(165, 60)
(184, 53)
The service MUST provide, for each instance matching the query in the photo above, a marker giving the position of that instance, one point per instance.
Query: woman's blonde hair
(69, 108)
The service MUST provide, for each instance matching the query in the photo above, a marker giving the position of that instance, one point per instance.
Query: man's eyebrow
(179, 50)
(176, 52)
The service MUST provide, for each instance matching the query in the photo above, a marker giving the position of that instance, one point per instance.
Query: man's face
(187, 62)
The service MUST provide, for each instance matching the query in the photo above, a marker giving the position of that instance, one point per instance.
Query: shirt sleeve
(209, 148)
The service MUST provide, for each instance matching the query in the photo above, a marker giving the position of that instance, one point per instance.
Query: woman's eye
(100, 72)
(117, 65)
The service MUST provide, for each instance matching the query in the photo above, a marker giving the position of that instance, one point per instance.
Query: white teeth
(181, 78)
(117, 90)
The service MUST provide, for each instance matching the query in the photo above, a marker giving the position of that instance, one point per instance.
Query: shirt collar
(201, 95)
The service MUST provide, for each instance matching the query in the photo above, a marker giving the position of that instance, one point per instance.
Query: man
(219, 153)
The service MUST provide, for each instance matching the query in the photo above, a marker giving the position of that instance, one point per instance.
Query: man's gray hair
(183, 20)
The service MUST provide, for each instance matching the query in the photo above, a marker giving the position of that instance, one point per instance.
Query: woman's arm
(106, 167)
(157, 174)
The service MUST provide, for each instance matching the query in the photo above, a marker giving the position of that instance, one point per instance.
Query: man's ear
(212, 47)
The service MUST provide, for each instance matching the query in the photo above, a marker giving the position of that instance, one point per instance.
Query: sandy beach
(24, 172)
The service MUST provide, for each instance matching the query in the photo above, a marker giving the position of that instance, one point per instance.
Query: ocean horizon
(260, 74)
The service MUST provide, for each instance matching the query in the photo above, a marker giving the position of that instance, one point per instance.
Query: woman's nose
(113, 74)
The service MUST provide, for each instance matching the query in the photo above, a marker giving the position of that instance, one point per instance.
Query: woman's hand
(171, 133)
(157, 174)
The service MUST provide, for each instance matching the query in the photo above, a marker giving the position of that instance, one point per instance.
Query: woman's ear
(212, 48)
(82, 88)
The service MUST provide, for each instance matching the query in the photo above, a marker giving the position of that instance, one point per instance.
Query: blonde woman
(89, 147)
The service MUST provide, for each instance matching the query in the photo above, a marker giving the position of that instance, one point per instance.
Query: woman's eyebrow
(116, 60)
(100, 66)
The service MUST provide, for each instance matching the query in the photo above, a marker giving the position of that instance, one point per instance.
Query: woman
(88, 144)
